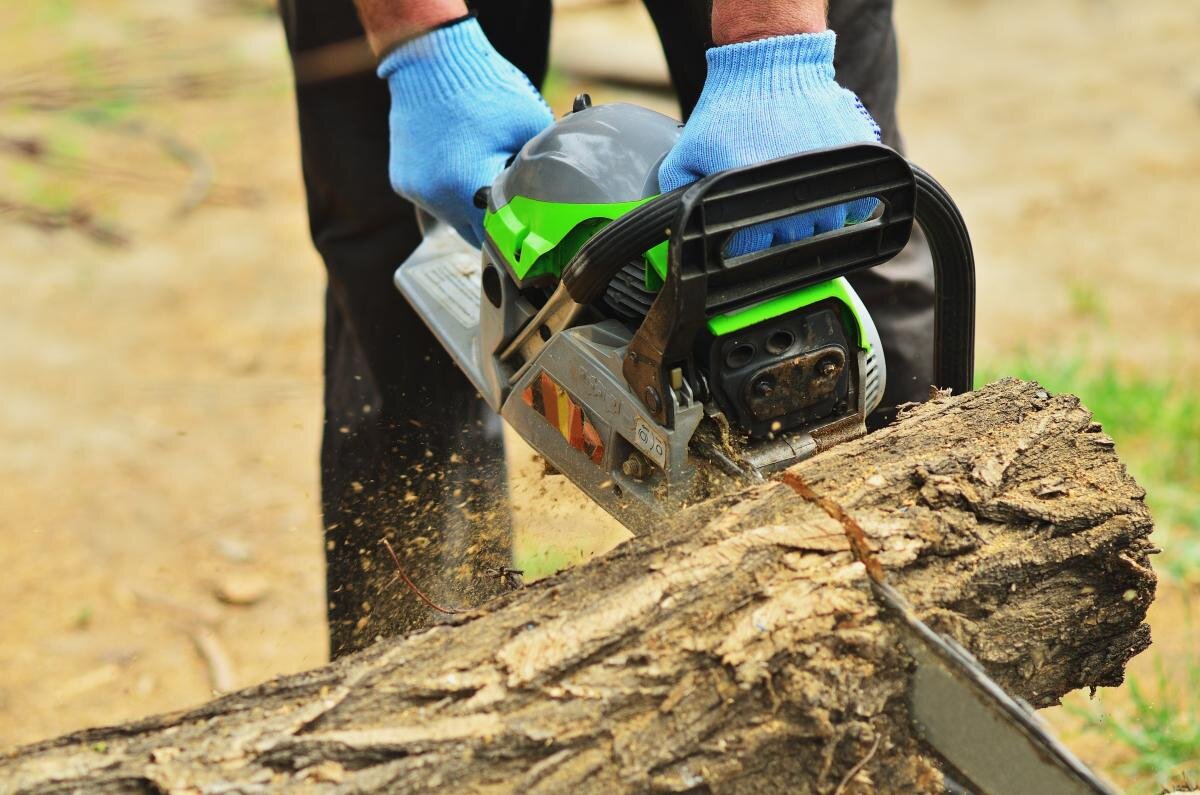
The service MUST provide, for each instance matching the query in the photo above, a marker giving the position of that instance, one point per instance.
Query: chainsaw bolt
(634, 467)
(653, 401)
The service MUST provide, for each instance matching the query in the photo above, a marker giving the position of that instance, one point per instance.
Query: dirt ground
(161, 398)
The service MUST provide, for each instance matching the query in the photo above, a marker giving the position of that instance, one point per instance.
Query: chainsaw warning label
(454, 283)
(554, 403)
(650, 442)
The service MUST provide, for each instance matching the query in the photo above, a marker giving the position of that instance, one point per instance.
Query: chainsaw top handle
(702, 280)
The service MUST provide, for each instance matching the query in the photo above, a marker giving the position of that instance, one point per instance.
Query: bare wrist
(738, 20)
(389, 23)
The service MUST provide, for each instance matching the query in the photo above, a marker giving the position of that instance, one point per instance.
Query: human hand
(765, 99)
(459, 112)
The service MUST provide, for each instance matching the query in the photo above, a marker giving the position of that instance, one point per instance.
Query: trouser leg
(519, 30)
(899, 294)
(685, 30)
(409, 452)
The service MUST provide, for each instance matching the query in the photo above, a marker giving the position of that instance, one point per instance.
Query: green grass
(1159, 727)
(31, 183)
(535, 560)
(55, 12)
(1087, 303)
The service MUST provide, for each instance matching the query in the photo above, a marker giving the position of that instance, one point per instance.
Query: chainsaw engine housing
(680, 367)
(782, 366)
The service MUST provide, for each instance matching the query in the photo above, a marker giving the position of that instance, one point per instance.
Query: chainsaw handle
(719, 206)
(954, 283)
(702, 280)
(601, 258)
(726, 202)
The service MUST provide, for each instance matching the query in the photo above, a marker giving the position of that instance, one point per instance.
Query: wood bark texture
(737, 650)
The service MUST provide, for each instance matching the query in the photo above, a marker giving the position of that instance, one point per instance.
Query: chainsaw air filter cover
(597, 155)
(570, 181)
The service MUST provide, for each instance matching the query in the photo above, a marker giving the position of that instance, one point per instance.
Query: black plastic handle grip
(954, 284)
(599, 260)
(718, 206)
(738, 198)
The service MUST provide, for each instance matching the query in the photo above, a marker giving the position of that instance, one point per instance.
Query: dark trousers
(410, 453)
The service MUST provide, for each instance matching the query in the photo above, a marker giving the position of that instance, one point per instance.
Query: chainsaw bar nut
(635, 466)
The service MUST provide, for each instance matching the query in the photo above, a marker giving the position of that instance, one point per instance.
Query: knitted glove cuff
(796, 64)
(444, 63)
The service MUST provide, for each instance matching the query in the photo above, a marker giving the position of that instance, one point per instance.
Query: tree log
(739, 649)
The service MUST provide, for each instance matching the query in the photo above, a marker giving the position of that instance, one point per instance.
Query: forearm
(390, 22)
(746, 20)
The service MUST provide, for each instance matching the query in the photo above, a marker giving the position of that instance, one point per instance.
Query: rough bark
(737, 650)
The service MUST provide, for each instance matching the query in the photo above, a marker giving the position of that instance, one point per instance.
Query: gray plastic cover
(598, 155)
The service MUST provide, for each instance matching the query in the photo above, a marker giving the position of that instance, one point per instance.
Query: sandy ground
(160, 409)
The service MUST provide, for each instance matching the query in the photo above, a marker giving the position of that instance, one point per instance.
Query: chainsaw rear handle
(954, 284)
(702, 280)
(715, 207)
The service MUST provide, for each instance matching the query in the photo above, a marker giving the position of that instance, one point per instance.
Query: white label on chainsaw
(453, 282)
(650, 442)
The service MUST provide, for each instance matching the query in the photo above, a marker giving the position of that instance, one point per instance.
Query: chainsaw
(612, 329)
(606, 324)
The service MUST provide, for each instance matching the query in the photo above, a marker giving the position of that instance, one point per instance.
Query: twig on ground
(200, 189)
(400, 575)
(216, 659)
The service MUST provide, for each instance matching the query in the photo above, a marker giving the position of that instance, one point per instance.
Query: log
(738, 649)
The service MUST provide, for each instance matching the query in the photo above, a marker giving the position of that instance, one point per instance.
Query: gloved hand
(459, 111)
(765, 99)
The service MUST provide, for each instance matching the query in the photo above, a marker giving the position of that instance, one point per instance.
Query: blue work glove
(459, 111)
(762, 100)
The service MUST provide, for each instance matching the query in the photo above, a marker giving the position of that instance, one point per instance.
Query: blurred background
(160, 317)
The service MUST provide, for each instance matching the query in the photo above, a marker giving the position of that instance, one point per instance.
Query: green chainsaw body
(565, 187)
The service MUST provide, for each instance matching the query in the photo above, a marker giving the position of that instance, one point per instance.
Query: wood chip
(216, 659)
(242, 589)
